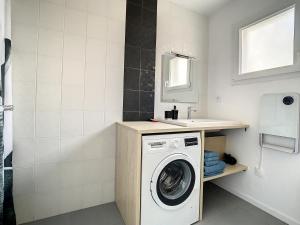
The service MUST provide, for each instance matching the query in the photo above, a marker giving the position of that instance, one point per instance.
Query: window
(268, 44)
(179, 73)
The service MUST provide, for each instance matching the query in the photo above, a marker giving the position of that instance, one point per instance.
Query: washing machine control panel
(171, 142)
(190, 141)
(174, 144)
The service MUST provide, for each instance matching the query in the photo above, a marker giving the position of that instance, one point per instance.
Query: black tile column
(139, 72)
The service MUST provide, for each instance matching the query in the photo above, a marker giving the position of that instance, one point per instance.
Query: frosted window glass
(268, 44)
(179, 72)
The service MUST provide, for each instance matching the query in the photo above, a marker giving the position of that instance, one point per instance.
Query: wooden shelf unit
(229, 170)
(129, 161)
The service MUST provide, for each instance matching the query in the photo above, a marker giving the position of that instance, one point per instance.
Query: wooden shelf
(229, 170)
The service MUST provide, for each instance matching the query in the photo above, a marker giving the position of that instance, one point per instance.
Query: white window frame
(268, 74)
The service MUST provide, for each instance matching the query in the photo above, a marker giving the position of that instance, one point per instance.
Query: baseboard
(283, 217)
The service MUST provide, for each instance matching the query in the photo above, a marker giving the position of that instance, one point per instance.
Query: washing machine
(170, 188)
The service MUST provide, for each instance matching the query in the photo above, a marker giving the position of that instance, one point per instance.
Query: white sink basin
(202, 121)
(199, 122)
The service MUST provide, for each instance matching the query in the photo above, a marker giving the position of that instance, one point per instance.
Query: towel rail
(4, 108)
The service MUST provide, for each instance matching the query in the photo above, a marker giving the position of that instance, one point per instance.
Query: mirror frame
(190, 94)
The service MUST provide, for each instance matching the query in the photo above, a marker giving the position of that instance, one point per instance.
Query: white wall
(68, 60)
(186, 32)
(278, 190)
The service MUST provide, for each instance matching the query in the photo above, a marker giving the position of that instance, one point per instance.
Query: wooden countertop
(158, 127)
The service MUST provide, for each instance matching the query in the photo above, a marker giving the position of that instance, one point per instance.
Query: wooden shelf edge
(229, 170)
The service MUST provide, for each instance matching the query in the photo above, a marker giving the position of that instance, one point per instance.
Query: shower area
(7, 214)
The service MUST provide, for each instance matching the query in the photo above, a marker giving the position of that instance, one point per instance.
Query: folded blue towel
(213, 174)
(211, 159)
(211, 163)
(209, 154)
(216, 168)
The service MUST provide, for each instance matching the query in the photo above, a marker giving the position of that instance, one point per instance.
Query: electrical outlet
(218, 99)
(259, 172)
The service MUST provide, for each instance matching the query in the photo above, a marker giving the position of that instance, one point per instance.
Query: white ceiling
(205, 7)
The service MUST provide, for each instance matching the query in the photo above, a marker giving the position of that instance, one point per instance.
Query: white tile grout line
(35, 160)
(83, 99)
(85, 74)
(61, 96)
(105, 73)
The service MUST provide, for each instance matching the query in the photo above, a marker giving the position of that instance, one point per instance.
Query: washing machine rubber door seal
(173, 181)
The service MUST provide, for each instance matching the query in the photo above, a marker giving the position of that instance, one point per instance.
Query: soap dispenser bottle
(174, 113)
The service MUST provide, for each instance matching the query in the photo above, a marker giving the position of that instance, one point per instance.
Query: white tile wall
(71, 123)
(25, 12)
(24, 181)
(73, 71)
(94, 195)
(77, 4)
(24, 152)
(24, 67)
(23, 124)
(67, 201)
(47, 124)
(47, 150)
(24, 207)
(72, 149)
(98, 7)
(25, 38)
(49, 70)
(24, 93)
(93, 121)
(96, 51)
(45, 204)
(72, 97)
(50, 43)
(74, 47)
(47, 177)
(75, 22)
(48, 97)
(51, 16)
(68, 58)
(95, 27)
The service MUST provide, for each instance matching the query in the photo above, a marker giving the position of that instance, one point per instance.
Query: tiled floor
(221, 208)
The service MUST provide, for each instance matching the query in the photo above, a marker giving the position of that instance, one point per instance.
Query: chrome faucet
(189, 112)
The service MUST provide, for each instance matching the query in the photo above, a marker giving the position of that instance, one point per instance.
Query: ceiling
(205, 7)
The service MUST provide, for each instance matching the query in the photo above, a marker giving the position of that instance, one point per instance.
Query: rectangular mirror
(180, 78)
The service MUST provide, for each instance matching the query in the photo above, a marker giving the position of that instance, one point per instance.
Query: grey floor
(220, 208)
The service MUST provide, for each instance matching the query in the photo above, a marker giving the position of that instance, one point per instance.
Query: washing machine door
(173, 181)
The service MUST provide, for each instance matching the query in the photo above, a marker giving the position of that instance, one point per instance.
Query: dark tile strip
(139, 71)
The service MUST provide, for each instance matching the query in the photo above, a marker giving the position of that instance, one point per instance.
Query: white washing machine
(170, 179)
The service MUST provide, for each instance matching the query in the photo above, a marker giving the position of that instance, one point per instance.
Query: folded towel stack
(212, 164)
